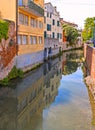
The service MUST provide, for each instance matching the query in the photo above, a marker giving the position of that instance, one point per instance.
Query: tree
(87, 32)
(71, 34)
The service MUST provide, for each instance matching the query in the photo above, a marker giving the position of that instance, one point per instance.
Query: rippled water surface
(52, 97)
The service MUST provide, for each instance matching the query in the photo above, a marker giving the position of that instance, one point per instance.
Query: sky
(75, 11)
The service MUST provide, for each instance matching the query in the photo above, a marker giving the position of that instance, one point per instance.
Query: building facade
(52, 31)
(30, 33)
(65, 42)
(25, 19)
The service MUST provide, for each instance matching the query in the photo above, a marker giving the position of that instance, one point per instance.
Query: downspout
(16, 27)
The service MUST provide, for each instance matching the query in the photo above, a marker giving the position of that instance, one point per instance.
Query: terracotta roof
(72, 24)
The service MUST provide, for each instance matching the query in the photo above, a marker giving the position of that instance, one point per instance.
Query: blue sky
(75, 11)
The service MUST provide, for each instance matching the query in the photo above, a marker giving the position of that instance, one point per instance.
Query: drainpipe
(16, 27)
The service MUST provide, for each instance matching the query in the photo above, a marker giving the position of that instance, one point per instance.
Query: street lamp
(94, 33)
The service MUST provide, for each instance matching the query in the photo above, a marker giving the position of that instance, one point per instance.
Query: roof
(70, 23)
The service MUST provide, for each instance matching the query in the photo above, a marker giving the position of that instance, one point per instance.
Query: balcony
(32, 8)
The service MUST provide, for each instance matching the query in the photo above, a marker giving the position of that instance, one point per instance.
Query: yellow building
(28, 16)
(30, 32)
(30, 27)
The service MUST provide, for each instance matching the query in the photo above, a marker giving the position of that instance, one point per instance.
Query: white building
(53, 30)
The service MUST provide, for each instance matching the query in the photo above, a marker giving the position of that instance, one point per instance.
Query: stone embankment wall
(4, 72)
(66, 47)
(89, 55)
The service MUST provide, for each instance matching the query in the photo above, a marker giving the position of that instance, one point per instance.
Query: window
(34, 39)
(34, 22)
(19, 39)
(48, 27)
(44, 19)
(26, 20)
(60, 36)
(40, 40)
(31, 39)
(50, 15)
(57, 35)
(24, 103)
(53, 22)
(45, 34)
(24, 39)
(40, 24)
(57, 23)
(52, 88)
(21, 18)
(47, 14)
(53, 35)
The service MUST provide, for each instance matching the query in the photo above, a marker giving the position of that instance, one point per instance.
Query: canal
(52, 97)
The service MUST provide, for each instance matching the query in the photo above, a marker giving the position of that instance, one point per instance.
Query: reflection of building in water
(8, 109)
(51, 80)
(30, 99)
(16, 109)
(21, 107)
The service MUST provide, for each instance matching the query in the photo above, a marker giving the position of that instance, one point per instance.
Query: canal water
(52, 97)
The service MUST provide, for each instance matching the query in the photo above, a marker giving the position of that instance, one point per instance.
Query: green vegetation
(13, 74)
(71, 34)
(72, 62)
(87, 33)
(3, 29)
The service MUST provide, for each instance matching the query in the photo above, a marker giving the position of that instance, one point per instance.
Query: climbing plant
(3, 29)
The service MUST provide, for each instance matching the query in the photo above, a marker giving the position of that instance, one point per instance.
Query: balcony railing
(31, 7)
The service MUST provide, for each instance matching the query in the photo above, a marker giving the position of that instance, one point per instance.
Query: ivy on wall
(4, 25)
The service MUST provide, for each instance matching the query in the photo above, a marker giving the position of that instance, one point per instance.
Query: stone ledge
(91, 85)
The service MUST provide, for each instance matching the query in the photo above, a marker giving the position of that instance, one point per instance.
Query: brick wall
(89, 54)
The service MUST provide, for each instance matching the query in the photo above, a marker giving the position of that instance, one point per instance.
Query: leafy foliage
(72, 62)
(87, 32)
(5, 81)
(71, 34)
(3, 29)
(13, 74)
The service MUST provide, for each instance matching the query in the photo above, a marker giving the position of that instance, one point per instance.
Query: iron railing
(33, 7)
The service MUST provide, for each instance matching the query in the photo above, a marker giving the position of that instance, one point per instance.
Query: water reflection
(52, 97)
(92, 102)
(21, 108)
(71, 61)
